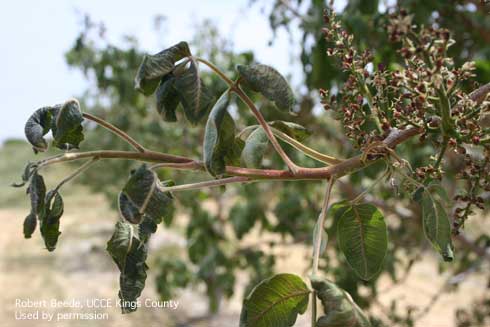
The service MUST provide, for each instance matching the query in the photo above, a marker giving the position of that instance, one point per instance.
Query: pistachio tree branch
(115, 130)
(77, 172)
(244, 97)
(199, 185)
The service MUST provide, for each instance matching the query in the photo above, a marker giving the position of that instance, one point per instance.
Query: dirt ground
(81, 269)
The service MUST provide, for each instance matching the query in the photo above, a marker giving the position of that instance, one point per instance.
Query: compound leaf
(270, 83)
(154, 67)
(363, 239)
(275, 302)
(339, 308)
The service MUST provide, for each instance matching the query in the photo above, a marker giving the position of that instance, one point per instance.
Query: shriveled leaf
(38, 125)
(275, 302)
(219, 137)
(195, 97)
(129, 253)
(142, 196)
(50, 219)
(29, 169)
(293, 130)
(269, 82)
(37, 193)
(339, 308)
(254, 150)
(30, 223)
(167, 98)
(363, 239)
(154, 67)
(437, 227)
(67, 128)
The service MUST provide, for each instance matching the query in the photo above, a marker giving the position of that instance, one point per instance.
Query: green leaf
(195, 97)
(255, 147)
(167, 98)
(154, 67)
(38, 125)
(129, 253)
(50, 219)
(275, 302)
(437, 227)
(363, 239)
(37, 193)
(67, 127)
(293, 130)
(219, 137)
(339, 308)
(270, 83)
(142, 196)
(30, 223)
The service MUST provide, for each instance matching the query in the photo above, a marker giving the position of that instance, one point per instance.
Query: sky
(35, 35)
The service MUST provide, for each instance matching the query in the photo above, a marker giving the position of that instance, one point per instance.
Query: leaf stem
(320, 228)
(199, 185)
(123, 135)
(305, 149)
(77, 172)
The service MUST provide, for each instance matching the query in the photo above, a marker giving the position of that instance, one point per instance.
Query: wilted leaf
(195, 97)
(50, 219)
(29, 169)
(167, 98)
(270, 83)
(30, 223)
(67, 127)
(436, 225)
(275, 302)
(129, 253)
(363, 239)
(219, 137)
(37, 193)
(38, 125)
(154, 67)
(339, 308)
(255, 147)
(142, 196)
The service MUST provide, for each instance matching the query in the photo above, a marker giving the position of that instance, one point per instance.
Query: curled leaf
(38, 125)
(129, 253)
(154, 67)
(276, 301)
(296, 131)
(37, 193)
(219, 137)
(167, 98)
(67, 128)
(50, 219)
(30, 223)
(339, 308)
(142, 196)
(254, 149)
(269, 82)
(195, 97)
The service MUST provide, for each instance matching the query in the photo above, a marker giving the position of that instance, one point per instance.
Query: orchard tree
(421, 101)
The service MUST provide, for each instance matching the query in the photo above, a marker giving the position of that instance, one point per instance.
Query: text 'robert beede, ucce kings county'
(94, 303)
